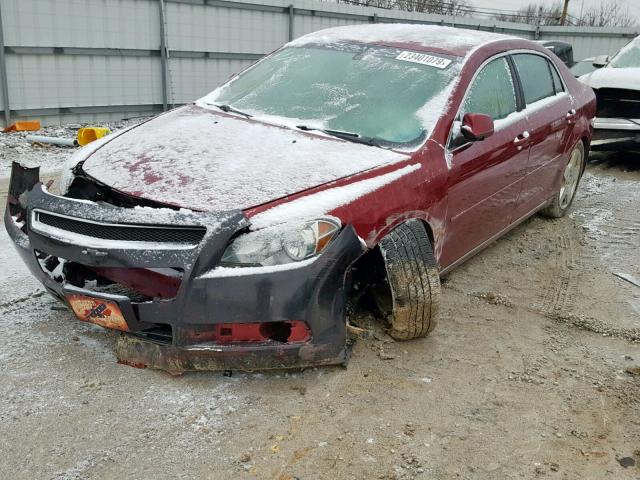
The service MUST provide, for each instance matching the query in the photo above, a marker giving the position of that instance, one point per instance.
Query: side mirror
(476, 126)
(600, 61)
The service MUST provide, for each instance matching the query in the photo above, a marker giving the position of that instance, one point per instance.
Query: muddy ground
(533, 372)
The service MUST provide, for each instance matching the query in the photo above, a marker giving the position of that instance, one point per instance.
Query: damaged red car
(369, 160)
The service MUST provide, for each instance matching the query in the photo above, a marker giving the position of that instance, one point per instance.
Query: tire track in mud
(557, 295)
(624, 232)
(16, 301)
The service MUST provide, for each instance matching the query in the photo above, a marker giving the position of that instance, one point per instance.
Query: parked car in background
(585, 66)
(617, 88)
(563, 50)
(231, 232)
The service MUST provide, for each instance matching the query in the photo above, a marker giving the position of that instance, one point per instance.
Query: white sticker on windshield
(424, 59)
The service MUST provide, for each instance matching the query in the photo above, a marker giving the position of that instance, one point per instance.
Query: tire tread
(414, 280)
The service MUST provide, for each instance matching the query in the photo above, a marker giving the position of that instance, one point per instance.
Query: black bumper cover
(314, 293)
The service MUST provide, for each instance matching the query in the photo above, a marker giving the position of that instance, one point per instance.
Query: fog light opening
(276, 331)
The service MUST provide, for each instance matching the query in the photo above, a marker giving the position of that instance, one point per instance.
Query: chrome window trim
(527, 108)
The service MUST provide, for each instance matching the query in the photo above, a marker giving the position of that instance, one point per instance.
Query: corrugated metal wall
(591, 41)
(92, 60)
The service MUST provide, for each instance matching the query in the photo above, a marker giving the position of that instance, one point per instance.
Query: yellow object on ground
(24, 126)
(90, 134)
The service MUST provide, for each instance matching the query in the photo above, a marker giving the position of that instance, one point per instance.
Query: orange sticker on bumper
(96, 310)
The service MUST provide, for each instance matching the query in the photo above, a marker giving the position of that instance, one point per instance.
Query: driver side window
(492, 92)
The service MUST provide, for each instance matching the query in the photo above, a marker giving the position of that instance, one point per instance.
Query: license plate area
(98, 311)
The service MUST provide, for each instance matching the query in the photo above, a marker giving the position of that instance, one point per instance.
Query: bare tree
(610, 13)
(440, 7)
(607, 14)
(534, 14)
(446, 7)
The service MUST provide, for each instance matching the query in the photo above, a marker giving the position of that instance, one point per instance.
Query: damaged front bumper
(617, 123)
(616, 134)
(147, 271)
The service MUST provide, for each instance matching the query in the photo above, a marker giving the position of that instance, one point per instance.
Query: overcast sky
(574, 5)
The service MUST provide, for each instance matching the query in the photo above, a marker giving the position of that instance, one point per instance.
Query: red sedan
(364, 160)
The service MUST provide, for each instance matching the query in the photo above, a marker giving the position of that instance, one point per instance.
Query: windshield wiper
(349, 136)
(229, 108)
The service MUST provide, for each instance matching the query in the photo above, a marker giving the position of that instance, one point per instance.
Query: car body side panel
(456, 246)
(550, 131)
(483, 189)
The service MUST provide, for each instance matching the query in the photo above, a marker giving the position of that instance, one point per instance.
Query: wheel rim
(570, 178)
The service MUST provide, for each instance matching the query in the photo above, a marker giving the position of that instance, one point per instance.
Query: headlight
(281, 244)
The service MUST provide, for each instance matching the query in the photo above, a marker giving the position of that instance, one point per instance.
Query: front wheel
(414, 281)
(570, 179)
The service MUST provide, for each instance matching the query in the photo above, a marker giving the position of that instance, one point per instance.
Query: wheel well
(427, 227)
(369, 288)
(585, 144)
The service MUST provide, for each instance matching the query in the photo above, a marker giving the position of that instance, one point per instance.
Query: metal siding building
(93, 60)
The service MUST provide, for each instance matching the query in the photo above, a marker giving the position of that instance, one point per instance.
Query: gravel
(50, 158)
(517, 381)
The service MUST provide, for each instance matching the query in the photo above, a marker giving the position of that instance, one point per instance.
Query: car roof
(455, 41)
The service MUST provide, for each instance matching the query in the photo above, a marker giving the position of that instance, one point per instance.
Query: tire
(414, 281)
(571, 175)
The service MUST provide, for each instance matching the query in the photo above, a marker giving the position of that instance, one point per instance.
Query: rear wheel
(570, 179)
(414, 281)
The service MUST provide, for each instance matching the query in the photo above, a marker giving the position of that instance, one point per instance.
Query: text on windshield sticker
(424, 59)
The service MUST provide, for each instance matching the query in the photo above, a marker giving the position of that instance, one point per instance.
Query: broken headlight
(281, 244)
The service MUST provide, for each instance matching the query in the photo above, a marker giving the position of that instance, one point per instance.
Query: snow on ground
(498, 390)
(50, 158)
(15, 281)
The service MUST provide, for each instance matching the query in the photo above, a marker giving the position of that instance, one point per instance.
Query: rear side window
(535, 77)
(492, 91)
(557, 83)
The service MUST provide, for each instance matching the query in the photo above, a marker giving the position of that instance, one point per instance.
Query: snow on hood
(446, 38)
(200, 159)
(608, 77)
(323, 202)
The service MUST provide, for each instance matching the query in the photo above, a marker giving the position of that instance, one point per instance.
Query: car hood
(197, 158)
(626, 78)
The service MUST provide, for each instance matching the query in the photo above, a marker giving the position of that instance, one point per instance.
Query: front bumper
(314, 293)
(615, 134)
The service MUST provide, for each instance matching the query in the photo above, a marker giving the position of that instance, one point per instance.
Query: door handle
(521, 139)
(571, 114)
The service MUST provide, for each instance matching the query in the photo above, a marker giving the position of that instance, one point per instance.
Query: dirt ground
(533, 372)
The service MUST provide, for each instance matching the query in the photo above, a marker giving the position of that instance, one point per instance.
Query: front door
(485, 176)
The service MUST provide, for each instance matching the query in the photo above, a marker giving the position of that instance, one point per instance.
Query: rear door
(485, 176)
(550, 114)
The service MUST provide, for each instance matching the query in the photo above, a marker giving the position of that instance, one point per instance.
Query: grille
(618, 103)
(122, 232)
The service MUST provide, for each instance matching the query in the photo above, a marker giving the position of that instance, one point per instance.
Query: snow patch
(221, 272)
(200, 159)
(423, 35)
(323, 202)
(628, 78)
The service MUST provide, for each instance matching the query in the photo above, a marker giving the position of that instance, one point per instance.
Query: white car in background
(617, 89)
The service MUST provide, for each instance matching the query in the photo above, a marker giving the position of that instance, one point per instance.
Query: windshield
(628, 57)
(582, 68)
(375, 92)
